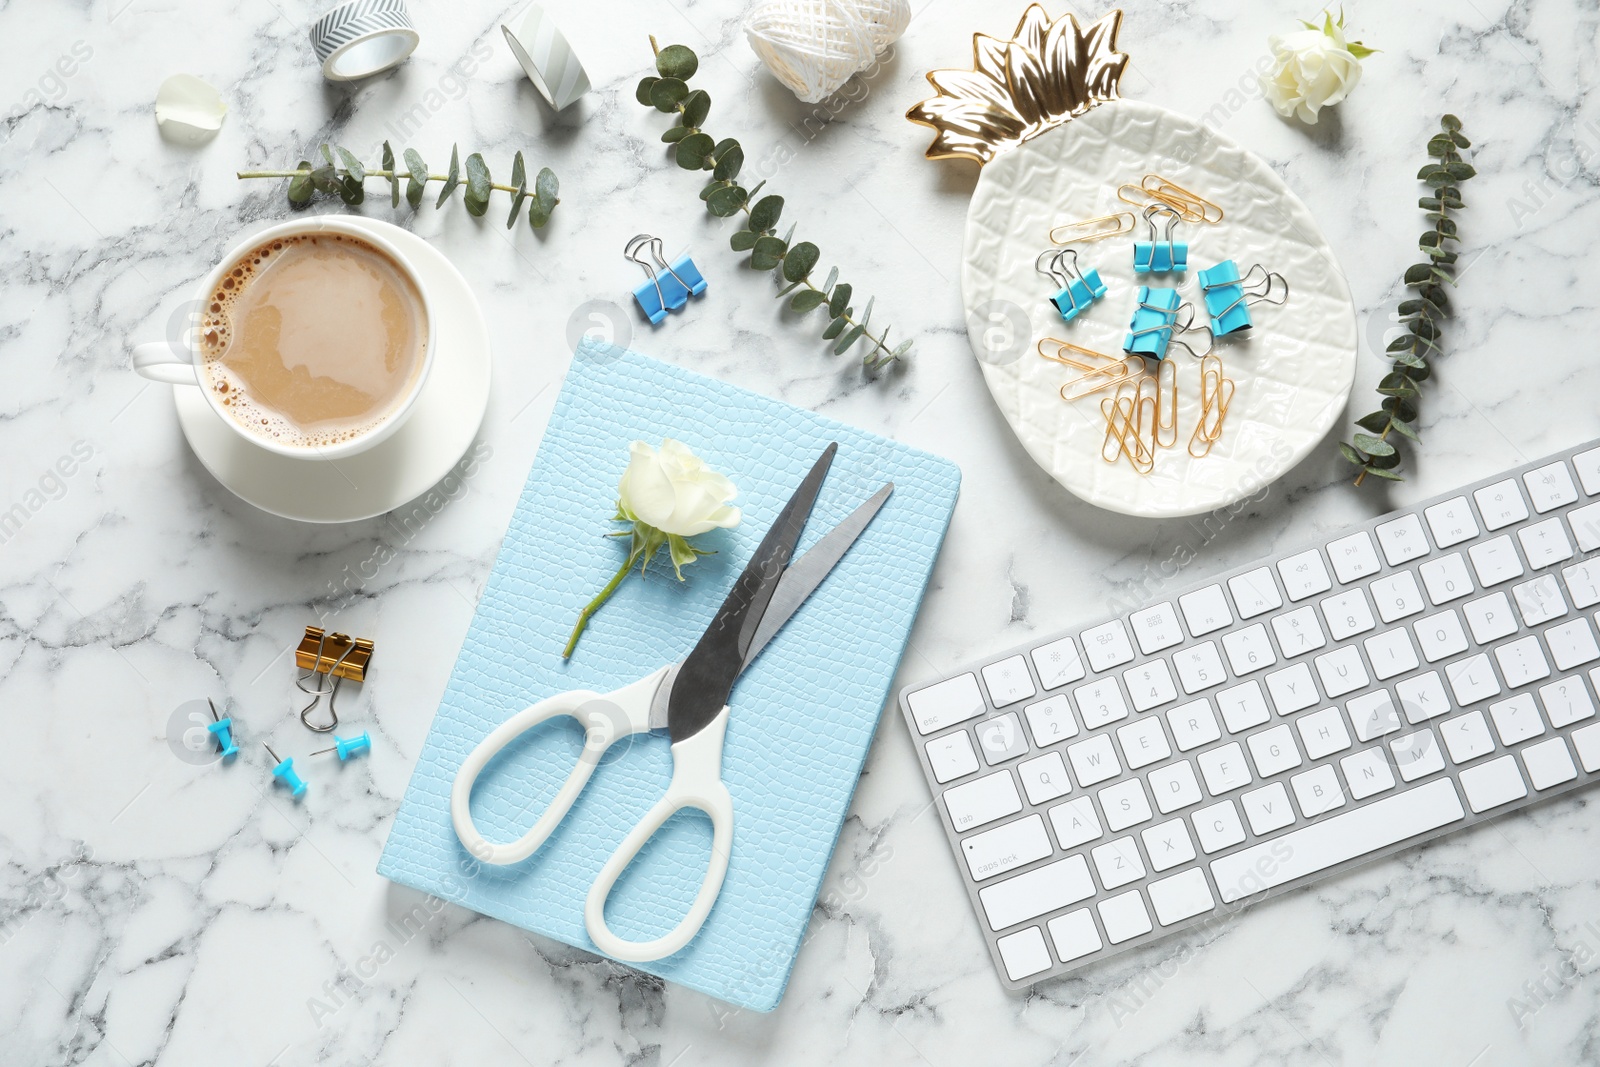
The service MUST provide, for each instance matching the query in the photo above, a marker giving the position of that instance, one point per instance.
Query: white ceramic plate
(1293, 371)
(438, 432)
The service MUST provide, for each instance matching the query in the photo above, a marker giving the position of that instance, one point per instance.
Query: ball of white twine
(814, 46)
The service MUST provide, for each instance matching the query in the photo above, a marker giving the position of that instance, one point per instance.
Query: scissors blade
(701, 688)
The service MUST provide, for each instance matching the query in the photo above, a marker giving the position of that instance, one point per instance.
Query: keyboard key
(1452, 522)
(1422, 697)
(1402, 540)
(1044, 779)
(1440, 636)
(1490, 618)
(1446, 578)
(1587, 465)
(1572, 644)
(1348, 614)
(1051, 720)
(1008, 681)
(1255, 593)
(1075, 822)
(1243, 706)
(1036, 893)
(1206, 610)
(1218, 827)
(1224, 768)
(1304, 575)
(1174, 787)
(1317, 791)
(1249, 649)
(1373, 715)
(1323, 733)
(1501, 504)
(1156, 628)
(1353, 557)
(1193, 725)
(1024, 953)
(1493, 784)
(1118, 863)
(1417, 755)
(1124, 917)
(1516, 719)
(1199, 667)
(1341, 672)
(1549, 763)
(951, 756)
(1075, 935)
(1274, 751)
(1143, 743)
(1494, 560)
(1150, 684)
(1267, 808)
(1466, 736)
(1093, 761)
(1397, 596)
(1586, 526)
(1550, 487)
(1583, 583)
(1001, 738)
(1328, 842)
(1107, 645)
(947, 703)
(1168, 845)
(1522, 662)
(1566, 701)
(1545, 543)
(1057, 663)
(1586, 740)
(1540, 600)
(1292, 689)
(1472, 680)
(1100, 702)
(983, 801)
(1125, 805)
(1005, 848)
(1391, 653)
(1183, 896)
(1298, 632)
(1367, 772)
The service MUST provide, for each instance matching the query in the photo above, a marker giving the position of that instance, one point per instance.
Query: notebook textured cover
(803, 714)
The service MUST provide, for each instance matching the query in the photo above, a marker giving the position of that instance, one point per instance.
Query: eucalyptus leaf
(765, 212)
(1384, 462)
(325, 179)
(833, 276)
(1450, 122)
(351, 191)
(1403, 408)
(696, 106)
(786, 290)
(300, 187)
(729, 163)
(851, 336)
(667, 93)
(725, 200)
(692, 150)
(352, 165)
(742, 241)
(1352, 455)
(798, 262)
(722, 147)
(767, 253)
(866, 315)
(476, 197)
(840, 299)
(677, 61)
(414, 191)
(1373, 446)
(547, 188)
(1377, 422)
(642, 92)
(835, 327)
(674, 134)
(451, 179)
(901, 349)
(394, 177)
(414, 164)
(1460, 171)
(327, 153)
(1418, 273)
(1404, 429)
(1387, 474)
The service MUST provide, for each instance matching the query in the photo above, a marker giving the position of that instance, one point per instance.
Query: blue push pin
(284, 772)
(348, 746)
(222, 729)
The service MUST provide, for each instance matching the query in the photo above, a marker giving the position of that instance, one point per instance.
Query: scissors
(687, 699)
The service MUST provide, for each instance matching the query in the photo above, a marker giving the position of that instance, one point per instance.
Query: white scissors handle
(696, 783)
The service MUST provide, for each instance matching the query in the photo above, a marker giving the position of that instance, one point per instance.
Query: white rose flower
(1312, 69)
(673, 490)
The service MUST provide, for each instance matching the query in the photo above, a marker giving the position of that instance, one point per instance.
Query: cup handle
(160, 363)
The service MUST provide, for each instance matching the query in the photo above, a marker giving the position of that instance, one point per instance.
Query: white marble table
(155, 910)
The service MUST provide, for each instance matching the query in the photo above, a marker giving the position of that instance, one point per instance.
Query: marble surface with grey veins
(158, 909)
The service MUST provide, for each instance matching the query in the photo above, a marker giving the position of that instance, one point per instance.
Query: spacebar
(1331, 841)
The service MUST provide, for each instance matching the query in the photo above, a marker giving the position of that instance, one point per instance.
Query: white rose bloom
(1312, 69)
(673, 490)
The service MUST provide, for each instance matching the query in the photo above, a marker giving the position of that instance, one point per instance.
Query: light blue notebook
(803, 714)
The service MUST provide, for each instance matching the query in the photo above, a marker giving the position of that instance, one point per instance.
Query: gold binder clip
(1193, 206)
(339, 656)
(1216, 394)
(1113, 225)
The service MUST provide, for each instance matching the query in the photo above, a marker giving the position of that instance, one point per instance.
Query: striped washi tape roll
(363, 37)
(546, 56)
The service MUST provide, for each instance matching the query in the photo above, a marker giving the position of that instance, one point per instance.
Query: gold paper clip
(1166, 413)
(1190, 203)
(1127, 419)
(1112, 372)
(337, 655)
(1114, 225)
(1216, 394)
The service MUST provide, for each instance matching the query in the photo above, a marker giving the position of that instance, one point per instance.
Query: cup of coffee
(312, 339)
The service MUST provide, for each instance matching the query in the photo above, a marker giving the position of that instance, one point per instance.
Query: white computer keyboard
(1275, 725)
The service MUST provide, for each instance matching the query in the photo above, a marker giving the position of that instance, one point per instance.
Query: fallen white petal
(189, 109)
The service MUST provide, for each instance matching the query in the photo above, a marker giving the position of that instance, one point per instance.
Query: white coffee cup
(179, 362)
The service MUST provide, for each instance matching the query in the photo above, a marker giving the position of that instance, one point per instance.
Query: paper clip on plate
(1153, 189)
(1099, 229)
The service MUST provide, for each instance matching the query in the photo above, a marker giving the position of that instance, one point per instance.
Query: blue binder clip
(1078, 289)
(1228, 296)
(1156, 322)
(1163, 256)
(670, 288)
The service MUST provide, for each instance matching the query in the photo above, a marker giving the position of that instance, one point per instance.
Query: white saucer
(441, 426)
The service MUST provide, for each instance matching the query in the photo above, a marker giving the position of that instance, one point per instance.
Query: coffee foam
(216, 336)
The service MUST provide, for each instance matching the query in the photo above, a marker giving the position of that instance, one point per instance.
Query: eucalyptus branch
(347, 178)
(1422, 315)
(724, 197)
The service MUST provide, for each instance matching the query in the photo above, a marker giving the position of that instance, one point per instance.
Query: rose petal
(188, 110)
(649, 493)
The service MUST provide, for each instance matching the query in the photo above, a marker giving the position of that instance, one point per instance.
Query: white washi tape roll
(546, 56)
(363, 37)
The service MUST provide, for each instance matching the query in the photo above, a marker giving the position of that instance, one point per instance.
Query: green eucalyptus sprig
(1421, 315)
(346, 178)
(724, 197)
